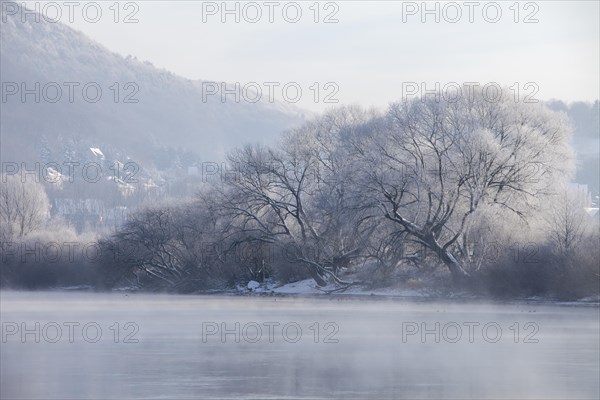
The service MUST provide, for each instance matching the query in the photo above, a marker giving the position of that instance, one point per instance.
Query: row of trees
(428, 183)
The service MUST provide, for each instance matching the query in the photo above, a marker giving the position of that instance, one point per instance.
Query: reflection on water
(113, 346)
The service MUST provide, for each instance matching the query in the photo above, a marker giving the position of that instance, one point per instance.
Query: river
(74, 345)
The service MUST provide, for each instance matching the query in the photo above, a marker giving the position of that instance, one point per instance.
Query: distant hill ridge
(169, 111)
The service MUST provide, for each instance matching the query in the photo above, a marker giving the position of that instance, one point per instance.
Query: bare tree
(24, 206)
(295, 196)
(568, 222)
(168, 244)
(428, 165)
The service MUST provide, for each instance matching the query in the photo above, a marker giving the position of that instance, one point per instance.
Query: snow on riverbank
(308, 287)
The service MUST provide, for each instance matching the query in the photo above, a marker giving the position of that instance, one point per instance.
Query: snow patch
(309, 287)
(97, 152)
(252, 285)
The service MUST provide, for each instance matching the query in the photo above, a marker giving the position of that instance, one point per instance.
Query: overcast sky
(371, 51)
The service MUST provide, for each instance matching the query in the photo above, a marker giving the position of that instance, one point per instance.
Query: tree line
(358, 197)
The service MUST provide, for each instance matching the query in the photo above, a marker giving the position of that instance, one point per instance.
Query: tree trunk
(317, 277)
(459, 275)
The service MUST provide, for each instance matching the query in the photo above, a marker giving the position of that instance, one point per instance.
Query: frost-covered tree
(24, 206)
(428, 165)
(295, 196)
(568, 221)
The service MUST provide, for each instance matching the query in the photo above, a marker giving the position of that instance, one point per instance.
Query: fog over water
(172, 347)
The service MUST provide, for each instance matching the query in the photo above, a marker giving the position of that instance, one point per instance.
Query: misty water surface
(173, 349)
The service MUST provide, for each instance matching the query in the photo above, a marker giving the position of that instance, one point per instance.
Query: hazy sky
(371, 51)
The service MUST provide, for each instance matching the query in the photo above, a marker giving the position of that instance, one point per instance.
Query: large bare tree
(428, 164)
(295, 196)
